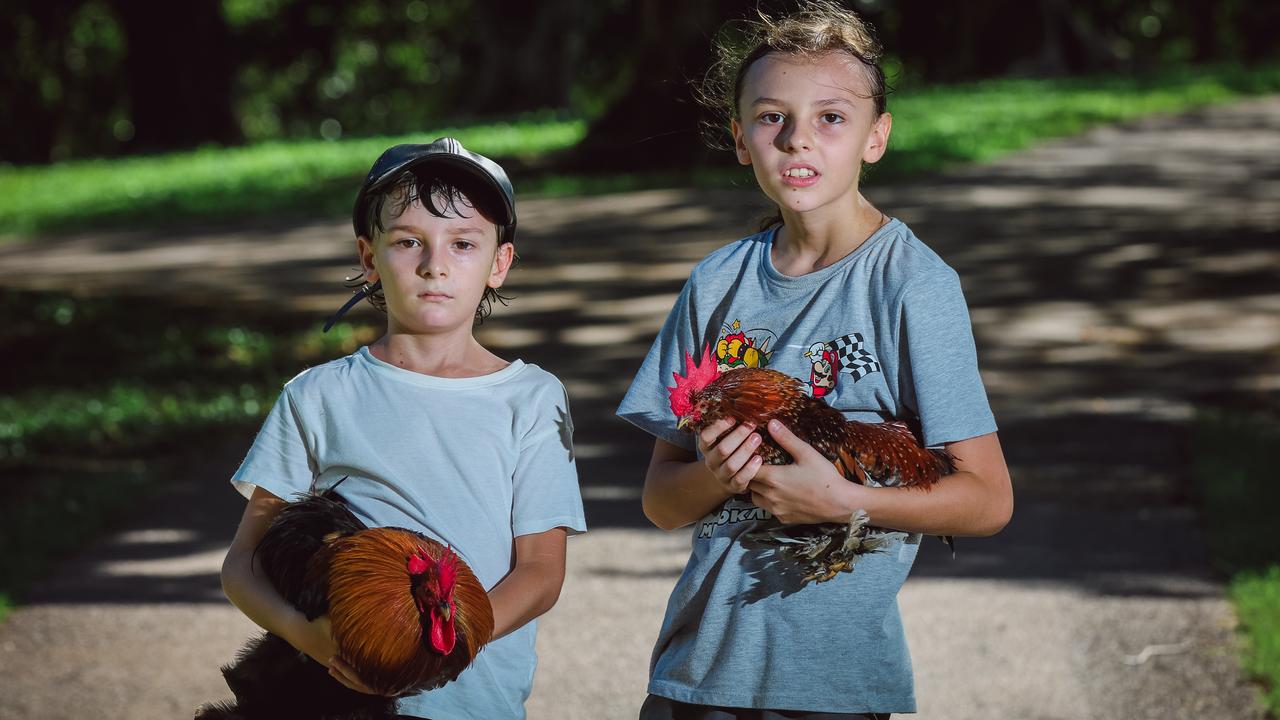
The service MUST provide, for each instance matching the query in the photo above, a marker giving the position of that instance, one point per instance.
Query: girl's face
(434, 270)
(806, 126)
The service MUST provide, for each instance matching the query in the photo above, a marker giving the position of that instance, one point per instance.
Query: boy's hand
(730, 453)
(808, 491)
(316, 640)
(342, 672)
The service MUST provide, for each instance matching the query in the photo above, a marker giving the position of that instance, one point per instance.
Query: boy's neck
(452, 357)
(810, 241)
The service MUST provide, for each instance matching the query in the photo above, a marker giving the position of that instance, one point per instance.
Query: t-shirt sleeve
(647, 404)
(278, 461)
(939, 363)
(545, 484)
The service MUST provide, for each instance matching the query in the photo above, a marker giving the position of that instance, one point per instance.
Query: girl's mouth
(800, 176)
(434, 296)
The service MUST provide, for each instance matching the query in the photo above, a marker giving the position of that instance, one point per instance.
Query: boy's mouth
(434, 296)
(800, 175)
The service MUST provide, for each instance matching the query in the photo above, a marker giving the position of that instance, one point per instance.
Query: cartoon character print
(737, 348)
(822, 379)
(846, 354)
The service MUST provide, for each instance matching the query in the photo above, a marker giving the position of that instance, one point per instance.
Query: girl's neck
(438, 356)
(810, 241)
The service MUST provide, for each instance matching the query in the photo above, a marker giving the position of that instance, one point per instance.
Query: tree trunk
(179, 70)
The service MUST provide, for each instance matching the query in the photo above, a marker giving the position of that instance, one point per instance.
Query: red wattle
(443, 636)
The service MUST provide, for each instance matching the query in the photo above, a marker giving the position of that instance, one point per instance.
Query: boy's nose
(433, 265)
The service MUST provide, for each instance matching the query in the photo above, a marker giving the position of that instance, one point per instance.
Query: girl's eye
(832, 118)
(771, 118)
(463, 244)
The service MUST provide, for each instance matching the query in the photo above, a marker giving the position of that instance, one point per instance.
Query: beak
(808, 354)
(445, 612)
(682, 422)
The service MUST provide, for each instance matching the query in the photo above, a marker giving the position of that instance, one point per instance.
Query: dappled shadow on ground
(1116, 281)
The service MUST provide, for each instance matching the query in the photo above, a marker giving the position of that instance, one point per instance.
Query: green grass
(934, 128)
(312, 177)
(90, 437)
(938, 127)
(1235, 461)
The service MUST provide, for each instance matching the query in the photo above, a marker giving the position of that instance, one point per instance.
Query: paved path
(1117, 280)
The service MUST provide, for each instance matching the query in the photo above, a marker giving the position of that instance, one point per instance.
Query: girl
(831, 280)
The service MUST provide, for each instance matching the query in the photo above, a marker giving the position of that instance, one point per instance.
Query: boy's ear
(364, 249)
(878, 139)
(502, 259)
(739, 143)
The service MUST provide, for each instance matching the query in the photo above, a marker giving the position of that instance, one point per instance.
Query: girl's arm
(678, 489)
(533, 585)
(975, 500)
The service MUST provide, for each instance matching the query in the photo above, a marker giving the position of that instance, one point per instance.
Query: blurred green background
(149, 113)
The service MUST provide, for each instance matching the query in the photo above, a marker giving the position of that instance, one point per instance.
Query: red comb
(448, 566)
(419, 564)
(697, 376)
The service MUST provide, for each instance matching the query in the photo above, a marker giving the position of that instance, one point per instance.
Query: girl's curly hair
(442, 197)
(817, 28)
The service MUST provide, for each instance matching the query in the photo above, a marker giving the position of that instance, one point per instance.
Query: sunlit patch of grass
(934, 128)
(212, 183)
(1235, 461)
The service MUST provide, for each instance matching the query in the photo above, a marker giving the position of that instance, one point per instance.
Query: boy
(436, 433)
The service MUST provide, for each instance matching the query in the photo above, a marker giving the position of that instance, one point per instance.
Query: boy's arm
(975, 500)
(533, 585)
(247, 587)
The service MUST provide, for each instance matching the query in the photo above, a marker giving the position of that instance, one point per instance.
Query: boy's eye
(463, 244)
(408, 242)
(771, 118)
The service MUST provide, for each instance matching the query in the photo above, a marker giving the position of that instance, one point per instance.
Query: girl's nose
(795, 137)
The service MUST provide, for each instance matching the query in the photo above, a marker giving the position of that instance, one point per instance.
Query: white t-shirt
(472, 462)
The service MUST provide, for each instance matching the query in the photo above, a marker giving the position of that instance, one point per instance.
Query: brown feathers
(378, 626)
(885, 453)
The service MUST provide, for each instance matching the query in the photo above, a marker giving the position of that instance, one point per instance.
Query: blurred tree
(656, 122)
(178, 68)
(100, 77)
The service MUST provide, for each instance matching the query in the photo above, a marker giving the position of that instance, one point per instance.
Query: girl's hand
(807, 491)
(729, 453)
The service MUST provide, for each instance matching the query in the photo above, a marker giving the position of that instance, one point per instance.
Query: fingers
(789, 441)
(741, 479)
(730, 453)
(711, 433)
(344, 674)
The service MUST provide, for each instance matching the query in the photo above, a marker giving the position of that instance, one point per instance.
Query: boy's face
(805, 127)
(434, 270)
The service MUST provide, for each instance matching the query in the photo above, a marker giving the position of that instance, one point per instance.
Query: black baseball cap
(448, 155)
(487, 186)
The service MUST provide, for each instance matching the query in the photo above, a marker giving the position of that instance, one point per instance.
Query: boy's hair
(442, 194)
(819, 27)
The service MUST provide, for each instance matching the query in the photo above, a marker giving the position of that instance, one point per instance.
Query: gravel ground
(1117, 281)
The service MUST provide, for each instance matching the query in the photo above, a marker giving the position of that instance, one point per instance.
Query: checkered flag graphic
(854, 359)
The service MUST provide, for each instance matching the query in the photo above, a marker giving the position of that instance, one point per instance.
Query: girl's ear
(739, 143)
(364, 249)
(502, 259)
(878, 138)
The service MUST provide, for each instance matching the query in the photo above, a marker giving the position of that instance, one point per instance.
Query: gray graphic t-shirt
(881, 334)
